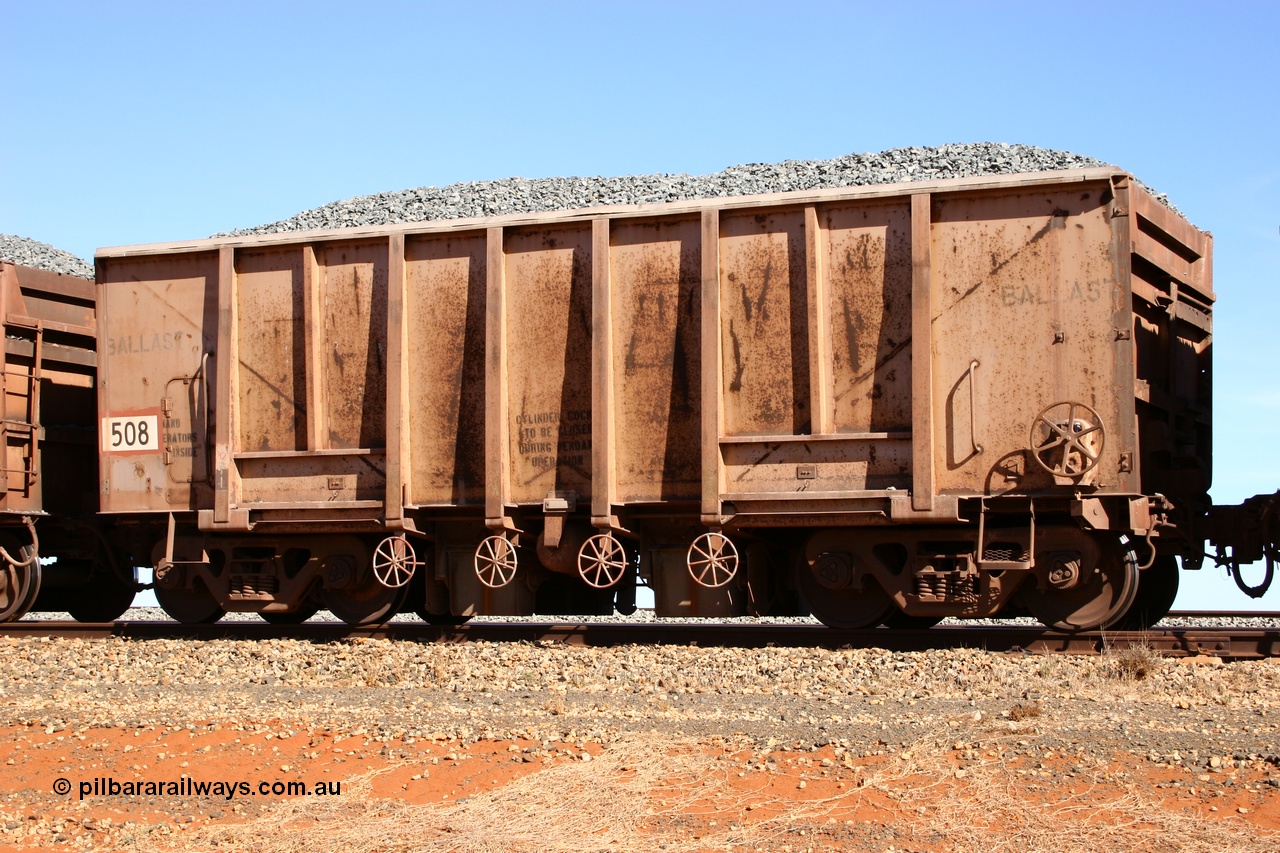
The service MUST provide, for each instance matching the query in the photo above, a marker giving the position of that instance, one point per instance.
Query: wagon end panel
(1031, 361)
(48, 366)
(158, 329)
(1172, 283)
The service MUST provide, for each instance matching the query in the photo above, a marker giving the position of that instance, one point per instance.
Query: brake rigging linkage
(35, 548)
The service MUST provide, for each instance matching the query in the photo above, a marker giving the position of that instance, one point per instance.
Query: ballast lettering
(1028, 293)
(142, 343)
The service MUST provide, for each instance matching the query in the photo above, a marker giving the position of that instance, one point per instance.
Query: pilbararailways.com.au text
(106, 786)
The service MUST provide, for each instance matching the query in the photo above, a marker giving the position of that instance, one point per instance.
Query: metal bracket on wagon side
(555, 506)
(237, 520)
(945, 508)
(1005, 565)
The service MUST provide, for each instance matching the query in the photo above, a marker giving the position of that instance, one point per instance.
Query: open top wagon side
(968, 397)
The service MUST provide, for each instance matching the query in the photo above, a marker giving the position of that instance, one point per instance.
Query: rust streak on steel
(1228, 643)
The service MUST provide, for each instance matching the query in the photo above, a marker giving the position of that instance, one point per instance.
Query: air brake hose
(1261, 589)
(1269, 547)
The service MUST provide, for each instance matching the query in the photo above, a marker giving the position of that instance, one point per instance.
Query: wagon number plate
(130, 434)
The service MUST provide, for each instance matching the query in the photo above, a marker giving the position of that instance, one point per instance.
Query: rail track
(1228, 643)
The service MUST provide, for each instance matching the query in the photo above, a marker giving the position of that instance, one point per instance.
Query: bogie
(285, 580)
(1083, 579)
(20, 574)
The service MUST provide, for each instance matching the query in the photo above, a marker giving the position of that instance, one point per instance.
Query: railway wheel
(443, 620)
(496, 562)
(190, 605)
(19, 582)
(366, 603)
(712, 560)
(297, 616)
(1083, 581)
(901, 621)
(602, 561)
(1157, 588)
(826, 587)
(103, 599)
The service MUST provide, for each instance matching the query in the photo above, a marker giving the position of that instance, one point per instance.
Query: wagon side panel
(311, 320)
(764, 323)
(548, 279)
(868, 263)
(445, 313)
(353, 360)
(271, 369)
(816, 332)
(655, 270)
(1025, 296)
(158, 331)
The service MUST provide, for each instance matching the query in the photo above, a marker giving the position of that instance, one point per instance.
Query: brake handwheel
(1067, 439)
(496, 562)
(712, 560)
(394, 562)
(602, 561)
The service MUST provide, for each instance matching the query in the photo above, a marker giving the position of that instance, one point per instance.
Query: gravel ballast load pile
(32, 253)
(518, 195)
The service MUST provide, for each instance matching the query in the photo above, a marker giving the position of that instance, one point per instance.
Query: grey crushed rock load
(519, 195)
(32, 253)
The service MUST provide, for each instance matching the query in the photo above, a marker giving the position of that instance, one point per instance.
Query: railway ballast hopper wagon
(956, 398)
(47, 448)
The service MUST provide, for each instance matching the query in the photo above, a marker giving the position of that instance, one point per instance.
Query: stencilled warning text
(546, 440)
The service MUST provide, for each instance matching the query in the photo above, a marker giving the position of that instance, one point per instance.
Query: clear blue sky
(140, 122)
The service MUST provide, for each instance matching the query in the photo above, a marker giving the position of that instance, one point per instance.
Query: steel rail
(1271, 615)
(1230, 643)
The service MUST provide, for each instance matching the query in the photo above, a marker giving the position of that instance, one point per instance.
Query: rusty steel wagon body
(967, 397)
(47, 503)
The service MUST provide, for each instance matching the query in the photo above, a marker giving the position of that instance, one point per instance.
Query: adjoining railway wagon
(965, 397)
(47, 427)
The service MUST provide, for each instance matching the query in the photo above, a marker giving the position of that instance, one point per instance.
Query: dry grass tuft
(1132, 662)
(607, 804)
(1020, 712)
(994, 808)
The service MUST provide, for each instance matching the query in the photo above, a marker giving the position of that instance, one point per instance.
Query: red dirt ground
(426, 772)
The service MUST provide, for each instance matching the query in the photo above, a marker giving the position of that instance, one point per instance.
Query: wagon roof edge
(690, 206)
